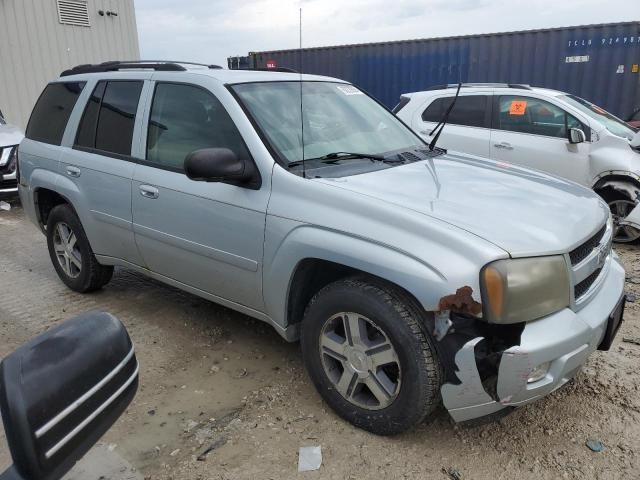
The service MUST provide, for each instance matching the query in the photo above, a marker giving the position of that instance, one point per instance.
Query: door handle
(72, 171)
(148, 191)
(504, 145)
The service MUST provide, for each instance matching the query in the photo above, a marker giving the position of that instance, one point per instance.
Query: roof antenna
(304, 170)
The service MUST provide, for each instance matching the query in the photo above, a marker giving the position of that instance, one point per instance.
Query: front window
(337, 118)
(610, 122)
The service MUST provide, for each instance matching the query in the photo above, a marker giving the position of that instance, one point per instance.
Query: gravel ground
(222, 396)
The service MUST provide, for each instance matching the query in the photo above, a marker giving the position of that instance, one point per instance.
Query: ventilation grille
(73, 12)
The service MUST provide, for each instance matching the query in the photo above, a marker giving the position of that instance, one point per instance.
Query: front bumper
(565, 339)
(8, 183)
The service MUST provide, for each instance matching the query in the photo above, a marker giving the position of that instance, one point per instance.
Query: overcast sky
(212, 30)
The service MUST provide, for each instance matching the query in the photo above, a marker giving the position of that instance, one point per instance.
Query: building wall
(35, 47)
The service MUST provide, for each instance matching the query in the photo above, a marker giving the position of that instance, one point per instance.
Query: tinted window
(117, 115)
(469, 110)
(86, 136)
(51, 113)
(185, 118)
(534, 116)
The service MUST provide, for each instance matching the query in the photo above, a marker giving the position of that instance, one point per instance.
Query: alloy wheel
(360, 360)
(619, 210)
(65, 245)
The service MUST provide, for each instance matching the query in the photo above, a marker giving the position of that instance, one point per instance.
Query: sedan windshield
(337, 118)
(610, 122)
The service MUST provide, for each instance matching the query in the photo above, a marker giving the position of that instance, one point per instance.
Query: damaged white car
(539, 128)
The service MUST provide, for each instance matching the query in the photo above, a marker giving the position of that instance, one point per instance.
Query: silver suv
(409, 275)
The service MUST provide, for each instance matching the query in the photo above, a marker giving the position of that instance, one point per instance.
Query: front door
(205, 235)
(532, 132)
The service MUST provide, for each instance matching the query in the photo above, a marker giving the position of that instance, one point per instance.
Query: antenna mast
(304, 170)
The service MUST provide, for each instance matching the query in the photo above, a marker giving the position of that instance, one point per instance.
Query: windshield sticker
(518, 107)
(349, 90)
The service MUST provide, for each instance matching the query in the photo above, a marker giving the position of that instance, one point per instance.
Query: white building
(41, 38)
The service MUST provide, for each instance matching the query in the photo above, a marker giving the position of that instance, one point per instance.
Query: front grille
(582, 287)
(581, 252)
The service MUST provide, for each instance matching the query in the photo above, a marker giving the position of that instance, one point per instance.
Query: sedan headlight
(522, 289)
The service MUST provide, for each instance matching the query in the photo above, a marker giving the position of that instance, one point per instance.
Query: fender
(425, 282)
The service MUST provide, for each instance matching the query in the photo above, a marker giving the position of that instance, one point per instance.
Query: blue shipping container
(597, 62)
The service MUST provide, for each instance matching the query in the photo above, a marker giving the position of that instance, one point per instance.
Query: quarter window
(469, 110)
(534, 116)
(108, 119)
(185, 118)
(52, 111)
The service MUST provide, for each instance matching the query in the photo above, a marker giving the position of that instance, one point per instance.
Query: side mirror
(61, 391)
(217, 165)
(576, 135)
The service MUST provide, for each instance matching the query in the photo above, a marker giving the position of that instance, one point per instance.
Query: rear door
(466, 131)
(100, 164)
(205, 235)
(532, 132)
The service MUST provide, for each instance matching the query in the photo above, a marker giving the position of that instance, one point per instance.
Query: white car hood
(10, 135)
(524, 212)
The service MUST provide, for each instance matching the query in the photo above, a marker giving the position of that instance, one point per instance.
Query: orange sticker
(518, 107)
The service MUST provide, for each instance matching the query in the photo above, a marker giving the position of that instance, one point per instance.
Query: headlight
(522, 289)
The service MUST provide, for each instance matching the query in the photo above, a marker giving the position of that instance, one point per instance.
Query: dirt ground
(222, 396)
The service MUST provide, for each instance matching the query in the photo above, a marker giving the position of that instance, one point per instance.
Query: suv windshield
(611, 123)
(337, 118)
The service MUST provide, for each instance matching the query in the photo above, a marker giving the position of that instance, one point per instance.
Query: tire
(82, 274)
(620, 206)
(389, 316)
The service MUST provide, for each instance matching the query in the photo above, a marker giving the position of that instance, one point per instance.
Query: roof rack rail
(264, 69)
(490, 85)
(115, 65)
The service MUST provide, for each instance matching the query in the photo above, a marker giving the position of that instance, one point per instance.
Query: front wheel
(366, 350)
(621, 206)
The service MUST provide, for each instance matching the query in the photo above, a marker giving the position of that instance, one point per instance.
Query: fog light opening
(539, 372)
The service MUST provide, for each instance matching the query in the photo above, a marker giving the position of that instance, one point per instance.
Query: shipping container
(597, 62)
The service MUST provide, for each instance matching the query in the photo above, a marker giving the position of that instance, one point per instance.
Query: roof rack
(264, 69)
(115, 65)
(490, 85)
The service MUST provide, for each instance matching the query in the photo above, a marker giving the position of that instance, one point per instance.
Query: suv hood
(522, 211)
(10, 136)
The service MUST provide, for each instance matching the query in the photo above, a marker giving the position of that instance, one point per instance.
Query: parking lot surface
(222, 396)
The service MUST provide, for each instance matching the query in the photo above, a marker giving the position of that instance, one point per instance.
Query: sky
(209, 31)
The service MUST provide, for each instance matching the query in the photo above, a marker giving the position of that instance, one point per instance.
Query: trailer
(600, 63)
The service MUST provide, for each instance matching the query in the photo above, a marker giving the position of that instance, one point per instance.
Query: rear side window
(109, 117)
(469, 110)
(185, 118)
(52, 111)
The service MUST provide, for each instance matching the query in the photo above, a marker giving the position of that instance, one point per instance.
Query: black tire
(92, 275)
(403, 322)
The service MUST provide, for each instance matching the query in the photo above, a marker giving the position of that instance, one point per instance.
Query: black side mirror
(576, 135)
(219, 165)
(61, 391)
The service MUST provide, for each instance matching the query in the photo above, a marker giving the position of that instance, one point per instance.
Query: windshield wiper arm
(443, 122)
(335, 156)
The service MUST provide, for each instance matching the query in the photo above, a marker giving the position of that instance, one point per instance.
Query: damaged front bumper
(564, 339)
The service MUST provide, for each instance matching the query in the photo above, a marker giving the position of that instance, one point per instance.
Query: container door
(467, 129)
(532, 132)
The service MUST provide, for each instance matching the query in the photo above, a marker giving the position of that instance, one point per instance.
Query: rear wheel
(368, 355)
(71, 254)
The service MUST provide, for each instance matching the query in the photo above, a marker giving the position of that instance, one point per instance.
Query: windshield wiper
(334, 157)
(443, 122)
